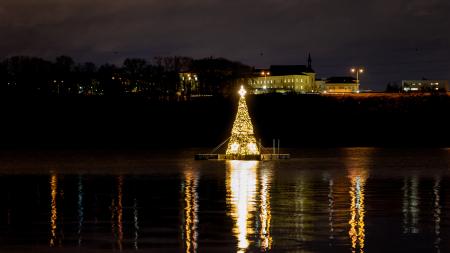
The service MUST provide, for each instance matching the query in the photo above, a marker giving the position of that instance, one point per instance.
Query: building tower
(242, 144)
(310, 63)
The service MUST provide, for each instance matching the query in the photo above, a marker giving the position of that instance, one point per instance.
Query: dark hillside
(299, 121)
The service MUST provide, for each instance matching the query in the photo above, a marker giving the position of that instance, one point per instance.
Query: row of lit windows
(421, 84)
(278, 87)
(272, 81)
(415, 89)
(261, 82)
(189, 78)
(339, 88)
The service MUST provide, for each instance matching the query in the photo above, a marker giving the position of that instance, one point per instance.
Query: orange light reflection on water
(119, 212)
(190, 210)
(357, 212)
(265, 210)
(54, 210)
(358, 173)
(437, 214)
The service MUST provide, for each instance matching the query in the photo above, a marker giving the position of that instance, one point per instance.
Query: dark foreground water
(332, 200)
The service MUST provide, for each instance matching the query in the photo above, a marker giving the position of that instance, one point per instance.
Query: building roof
(341, 79)
(284, 70)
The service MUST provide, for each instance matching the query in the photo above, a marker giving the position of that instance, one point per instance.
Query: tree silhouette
(24, 76)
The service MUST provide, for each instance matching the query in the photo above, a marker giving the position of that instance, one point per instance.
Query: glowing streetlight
(265, 74)
(357, 70)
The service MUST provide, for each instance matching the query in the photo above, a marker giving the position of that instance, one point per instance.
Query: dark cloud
(394, 39)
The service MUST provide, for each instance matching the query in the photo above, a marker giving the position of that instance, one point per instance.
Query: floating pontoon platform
(261, 157)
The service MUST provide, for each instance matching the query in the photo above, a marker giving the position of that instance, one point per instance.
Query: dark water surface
(323, 200)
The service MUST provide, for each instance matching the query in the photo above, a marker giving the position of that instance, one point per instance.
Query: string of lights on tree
(242, 141)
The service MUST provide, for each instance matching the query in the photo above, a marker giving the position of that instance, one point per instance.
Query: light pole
(357, 70)
(265, 74)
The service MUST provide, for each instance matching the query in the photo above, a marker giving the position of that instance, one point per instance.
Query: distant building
(284, 78)
(339, 84)
(425, 85)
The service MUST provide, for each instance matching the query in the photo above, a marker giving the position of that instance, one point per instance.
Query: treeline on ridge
(158, 78)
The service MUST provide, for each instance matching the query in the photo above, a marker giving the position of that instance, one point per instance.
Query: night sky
(392, 39)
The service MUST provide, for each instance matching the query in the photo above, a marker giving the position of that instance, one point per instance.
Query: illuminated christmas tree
(242, 142)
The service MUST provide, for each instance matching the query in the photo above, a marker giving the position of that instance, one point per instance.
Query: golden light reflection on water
(119, 211)
(410, 207)
(54, 210)
(117, 214)
(80, 209)
(358, 174)
(437, 214)
(241, 182)
(300, 211)
(136, 225)
(190, 233)
(357, 209)
(330, 208)
(264, 209)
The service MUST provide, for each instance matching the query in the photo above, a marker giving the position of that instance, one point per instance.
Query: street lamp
(357, 70)
(265, 74)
